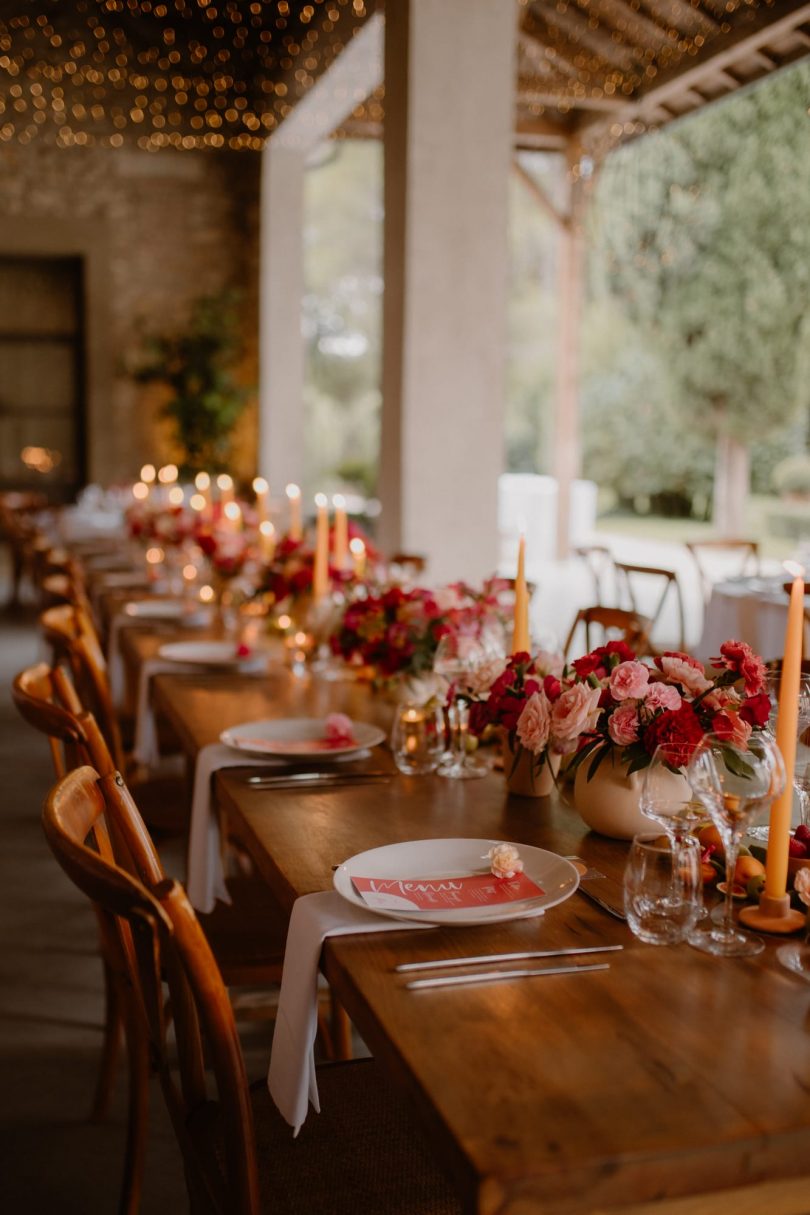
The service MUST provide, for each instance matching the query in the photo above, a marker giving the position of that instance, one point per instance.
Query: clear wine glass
(667, 797)
(457, 656)
(734, 784)
(801, 771)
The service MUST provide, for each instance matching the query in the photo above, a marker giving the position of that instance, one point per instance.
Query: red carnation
(738, 657)
(756, 709)
(677, 729)
(590, 664)
(552, 687)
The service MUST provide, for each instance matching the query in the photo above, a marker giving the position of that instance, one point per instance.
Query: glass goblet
(734, 783)
(457, 657)
(667, 797)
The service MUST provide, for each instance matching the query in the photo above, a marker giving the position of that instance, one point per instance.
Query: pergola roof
(224, 73)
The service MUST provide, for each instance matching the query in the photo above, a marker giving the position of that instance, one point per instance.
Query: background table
(748, 609)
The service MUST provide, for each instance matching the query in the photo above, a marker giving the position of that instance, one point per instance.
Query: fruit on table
(747, 867)
(710, 837)
(798, 848)
(802, 833)
(754, 886)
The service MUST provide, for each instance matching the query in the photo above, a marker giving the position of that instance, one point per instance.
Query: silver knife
(293, 780)
(600, 902)
(492, 976)
(521, 956)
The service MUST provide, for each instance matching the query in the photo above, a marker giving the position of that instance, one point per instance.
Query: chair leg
(137, 1116)
(340, 1029)
(113, 1025)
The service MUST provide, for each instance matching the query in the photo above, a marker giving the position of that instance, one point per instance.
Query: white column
(281, 286)
(567, 459)
(449, 99)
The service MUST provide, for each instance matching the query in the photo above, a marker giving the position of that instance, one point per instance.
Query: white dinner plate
(294, 737)
(210, 654)
(167, 609)
(434, 859)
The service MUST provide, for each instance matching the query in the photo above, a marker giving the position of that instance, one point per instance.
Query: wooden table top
(670, 1076)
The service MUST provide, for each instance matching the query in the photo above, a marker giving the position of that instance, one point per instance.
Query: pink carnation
(575, 712)
(623, 725)
(662, 696)
(628, 681)
(685, 670)
(534, 723)
(731, 728)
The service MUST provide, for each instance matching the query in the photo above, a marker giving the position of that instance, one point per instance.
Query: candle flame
(168, 474)
(339, 502)
(176, 495)
(292, 491)
(140, 490)
(148, 473)
(197, 502)
(284, 622)
(224, 481)
(202, 481)
(189, 572)
(260, 486)
(207, 594)
(321, 500)
(794, 569)
(231, 511)
(154, 555)
(357, 546)
(266, 528)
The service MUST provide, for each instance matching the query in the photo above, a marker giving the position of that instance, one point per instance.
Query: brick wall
(157, 230)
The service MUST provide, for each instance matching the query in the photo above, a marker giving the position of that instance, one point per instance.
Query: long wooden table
(674, 1082)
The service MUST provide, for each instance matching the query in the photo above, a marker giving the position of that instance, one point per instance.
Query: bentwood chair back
(633, 628)
(362, 1151)
(660, 582)
(69, 631)
(705, 554)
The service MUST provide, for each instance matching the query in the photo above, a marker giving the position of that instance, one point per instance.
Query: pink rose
(534, 723)
(628, 681)
(575, 712)
(662, 696)
(623, 725)
(731, 728)
(685, 670)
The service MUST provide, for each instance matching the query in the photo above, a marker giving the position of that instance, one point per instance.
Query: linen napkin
(291, 1078)
(145, 750)
(205, 874)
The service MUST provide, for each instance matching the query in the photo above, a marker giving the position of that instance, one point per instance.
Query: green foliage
(702, 248)
(792, 475)
(197, 366)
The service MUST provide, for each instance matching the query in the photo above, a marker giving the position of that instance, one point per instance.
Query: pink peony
(628, 681)
(732, 728)
(623, 725)
(685, 670)
(575, 712)
(534, 723)
(662, 696)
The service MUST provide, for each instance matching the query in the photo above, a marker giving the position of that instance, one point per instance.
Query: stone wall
(156, 231)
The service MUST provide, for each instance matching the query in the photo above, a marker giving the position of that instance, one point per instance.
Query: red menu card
(444, 893)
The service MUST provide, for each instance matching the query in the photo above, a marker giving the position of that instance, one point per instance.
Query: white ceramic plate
(167, 609)
(210, 654)
(457, 858)
(294, 737)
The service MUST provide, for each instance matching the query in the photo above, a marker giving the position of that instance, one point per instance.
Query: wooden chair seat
(363, 1152)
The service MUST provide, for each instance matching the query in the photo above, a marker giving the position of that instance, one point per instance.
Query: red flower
(738, 657)
(590, 664)
(552, 687)
(678, 729)
(756, 709)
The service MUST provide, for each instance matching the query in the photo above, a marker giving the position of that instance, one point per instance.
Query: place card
(445, 893)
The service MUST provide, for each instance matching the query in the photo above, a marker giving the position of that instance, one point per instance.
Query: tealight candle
(294, 498)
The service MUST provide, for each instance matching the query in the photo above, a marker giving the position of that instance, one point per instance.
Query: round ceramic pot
(520, 770)
(609, 801)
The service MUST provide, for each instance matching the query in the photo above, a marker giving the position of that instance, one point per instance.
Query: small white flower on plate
(801, 884)
(504, 860)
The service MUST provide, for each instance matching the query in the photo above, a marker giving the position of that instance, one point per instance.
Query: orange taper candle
(787, 728)
(521, 642)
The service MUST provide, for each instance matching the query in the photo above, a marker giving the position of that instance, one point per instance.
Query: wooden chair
(361, 1152)
(664, 581)
(599, 561)
(634, 629)
(746, 553)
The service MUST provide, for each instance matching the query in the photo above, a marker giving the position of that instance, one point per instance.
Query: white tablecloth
(746, 609)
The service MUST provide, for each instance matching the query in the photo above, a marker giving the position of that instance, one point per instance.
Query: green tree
(702, 237)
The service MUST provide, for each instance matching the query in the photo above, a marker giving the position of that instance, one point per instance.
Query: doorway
(42, 388)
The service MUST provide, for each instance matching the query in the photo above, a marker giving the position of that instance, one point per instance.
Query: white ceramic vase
(609, 802)
(522, 777)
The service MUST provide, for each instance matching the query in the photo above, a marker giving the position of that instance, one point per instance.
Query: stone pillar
(449, 99)
(281, 286)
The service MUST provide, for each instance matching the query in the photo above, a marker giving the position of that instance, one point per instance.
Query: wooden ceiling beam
(542, 92)
(687, 17)
(571, 31)
(754, 30)
(628, 22)
(545, 59)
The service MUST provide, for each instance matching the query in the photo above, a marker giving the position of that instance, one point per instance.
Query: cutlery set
(316, 780)
(491, 976)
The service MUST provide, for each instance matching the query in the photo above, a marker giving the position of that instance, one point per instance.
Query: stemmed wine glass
(734, 783)
(457, 657)
(667, 799)
(801, 770)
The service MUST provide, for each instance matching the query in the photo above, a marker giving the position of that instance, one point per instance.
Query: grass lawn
(765, 518)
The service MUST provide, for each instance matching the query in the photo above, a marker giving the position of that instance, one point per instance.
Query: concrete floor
(51, 1004)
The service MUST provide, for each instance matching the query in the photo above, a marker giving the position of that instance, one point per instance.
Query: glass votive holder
(417, 738)
(299, 647)
(663, 890)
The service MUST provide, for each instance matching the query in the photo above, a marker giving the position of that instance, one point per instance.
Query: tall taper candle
(294, 498)
(787, 728)
(320, 573)
(521, 642)
(341, 546)
(262, 491)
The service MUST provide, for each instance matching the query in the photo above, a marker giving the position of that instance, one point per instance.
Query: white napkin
(205, 877)
(115, 663)
(145, 750)
(291, 1078)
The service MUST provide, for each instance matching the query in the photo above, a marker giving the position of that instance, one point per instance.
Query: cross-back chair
(633, 628)
(705, 553)
(660, 582)
(362, 1151)
(598, 560)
